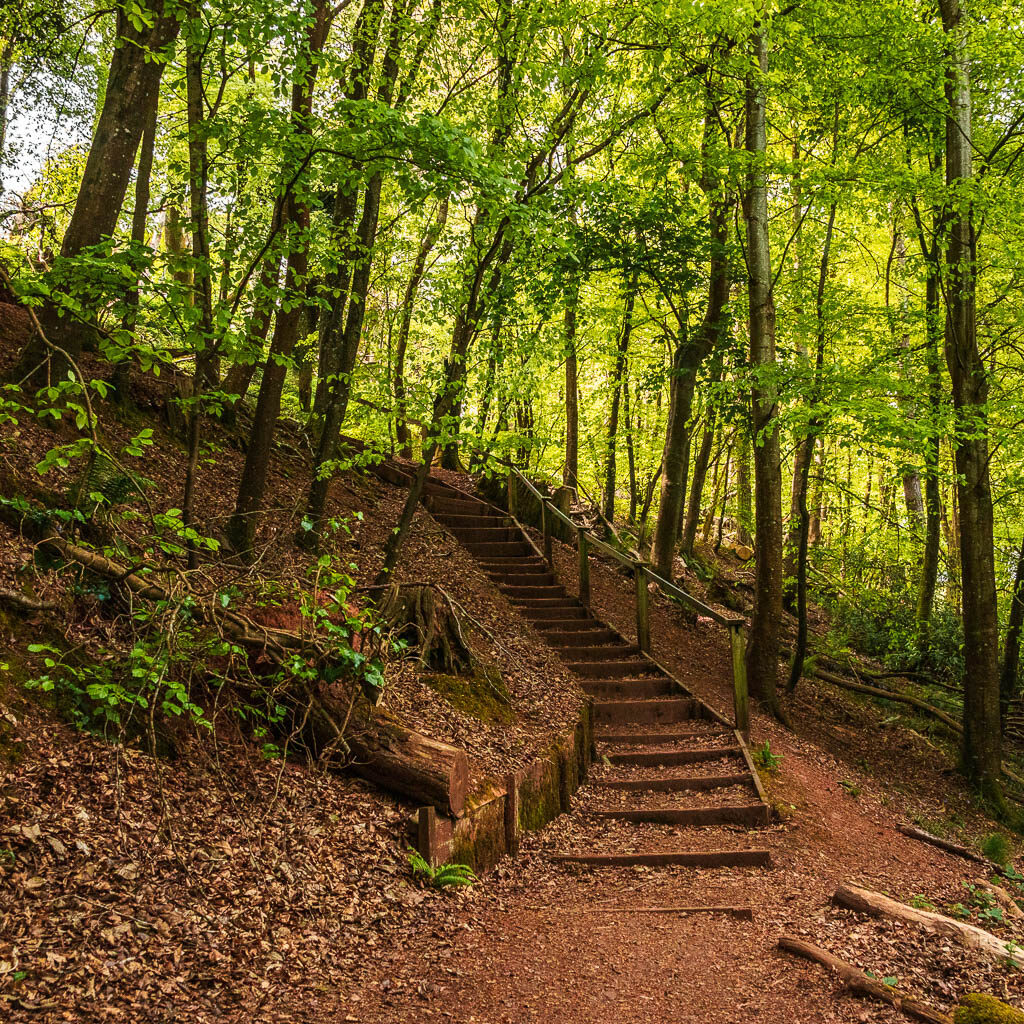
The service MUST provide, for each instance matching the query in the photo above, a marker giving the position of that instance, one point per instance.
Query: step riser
(649, 758)
(529, 593)
(457, 523)
(640, 688)
(623, 712)
(604, 669)
(702, 859)
(544, 615)
(655, 739)
(456, 506)
(576, 637)
(599, 653)
(677, 785)
(510, 549)
(577, 627)
(534, 580)
(486, 535)
(695, 817)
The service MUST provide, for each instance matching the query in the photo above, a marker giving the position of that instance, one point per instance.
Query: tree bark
(691, 352)
(1009, 674)
(135, 68)
(982, 735)
(140, 221)
(571, 468)
(430, 238)
(621, 356)
(252, 486)
(763, 647)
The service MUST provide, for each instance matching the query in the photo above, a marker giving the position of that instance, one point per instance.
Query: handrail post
(545, 527)
(643, 618)
(584, 551)
(513, 495)
(739, 680)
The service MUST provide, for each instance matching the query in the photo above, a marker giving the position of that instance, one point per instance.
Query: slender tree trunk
(814, 427)
(763, 648)
(691, 352)
(982, 752)
(252, 486)
(430, 238)
(135, 69)
(571, 467)
(630, 452)
(700, 467)
(621, 355)
(202, 279)
(1010, 673)
(6, 62)
(140, 221)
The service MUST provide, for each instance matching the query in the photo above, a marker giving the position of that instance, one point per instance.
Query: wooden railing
(642, 575)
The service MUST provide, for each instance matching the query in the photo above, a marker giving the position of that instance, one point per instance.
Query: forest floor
(218, 885)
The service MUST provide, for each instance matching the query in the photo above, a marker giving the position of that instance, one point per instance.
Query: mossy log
(978, 1008)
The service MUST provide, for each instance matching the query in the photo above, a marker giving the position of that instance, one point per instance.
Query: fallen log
(905, 698)
(742, 913)
(860, 984)
(380, 750)
(864, 901)
(950, 847)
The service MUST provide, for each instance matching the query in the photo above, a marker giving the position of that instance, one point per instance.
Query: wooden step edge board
(738, 814)
(751, 767)
(650, 707)
(672, 858)
(654, 738)
(676, 783)
(670, 757)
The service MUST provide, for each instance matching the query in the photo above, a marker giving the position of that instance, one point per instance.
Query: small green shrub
(851, 788)
(765, 759)
(997, 848)
(444, 876)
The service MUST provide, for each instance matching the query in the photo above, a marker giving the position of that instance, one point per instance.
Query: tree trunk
(571, 468)
(251, 488)
(135, 68)
(744, 495)
(201, 322)
(712, 332)
(1011, 651)
(430, 238)
(814, 427)
(700, 468)
(140, 221)
(763, 648)
(982, 737)
(621, 355)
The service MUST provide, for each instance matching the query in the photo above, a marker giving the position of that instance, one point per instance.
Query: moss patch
(977, 1008)
(483, 694)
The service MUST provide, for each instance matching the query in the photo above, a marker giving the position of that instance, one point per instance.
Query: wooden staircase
(666, 761)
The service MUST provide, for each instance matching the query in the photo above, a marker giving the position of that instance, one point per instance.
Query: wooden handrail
(642, 572)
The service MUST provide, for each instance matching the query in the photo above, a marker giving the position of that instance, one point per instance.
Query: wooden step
(653, 686)
(750, 815)
(519, 563)
(654, 738)
(555, 611)
(576, 626)
(528, 605)
(528, 593)
(666, 709)
(536, 579)
(668, 757)
(677, 783)
(671, 858)
(481, 520)
(456, 506)
(590, 637)
(612, 668)
(496, 534)
(599, 653)
(498, 548)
